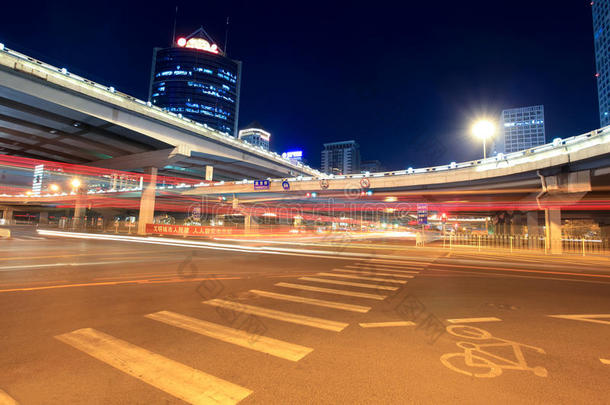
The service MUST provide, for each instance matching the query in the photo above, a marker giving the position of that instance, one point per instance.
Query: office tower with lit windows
(194, 78)
(341, 158)
(521, 128)
(601, 39)
(255, 135)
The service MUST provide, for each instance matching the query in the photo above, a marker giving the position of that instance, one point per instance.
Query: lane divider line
(312, 301)
(605, 361)
(474, 320)
(385, 280)
(243, 338)
(279, 315)
(374, 273)
(386, 270)
(183, 382)
(332, 291)
(386, 324)
(349, 283)
(389, 266)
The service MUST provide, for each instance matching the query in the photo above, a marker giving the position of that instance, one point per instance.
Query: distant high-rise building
(521, 128)
(371, 166)
(196, 79)
(601, 38)
(341, 158)
(255, 135)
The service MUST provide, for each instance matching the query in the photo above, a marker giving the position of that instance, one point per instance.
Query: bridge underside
(35, 128)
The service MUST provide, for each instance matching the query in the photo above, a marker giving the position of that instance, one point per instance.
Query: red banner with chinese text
(190, 230)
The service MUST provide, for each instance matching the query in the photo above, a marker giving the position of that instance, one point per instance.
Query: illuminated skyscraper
(341, 158)
(196, 79)
(255, 135)
(601, 37)
(522, 128)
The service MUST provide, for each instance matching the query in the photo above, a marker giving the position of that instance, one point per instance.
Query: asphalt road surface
(325, 322)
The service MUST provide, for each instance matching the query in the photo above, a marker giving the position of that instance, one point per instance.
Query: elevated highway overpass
(49, 113)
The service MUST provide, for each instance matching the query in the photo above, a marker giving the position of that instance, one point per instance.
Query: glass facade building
(341, 158)
(601, 39)
(522, 128)
(195, 79)
(255, 135)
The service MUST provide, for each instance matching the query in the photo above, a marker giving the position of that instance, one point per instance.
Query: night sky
(405, 80)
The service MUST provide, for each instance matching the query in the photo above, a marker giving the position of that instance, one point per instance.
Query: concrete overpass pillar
(147, 200)
(516, 225)
(552, 219)
(250, 223)
(43, 218)
(209, 173)
(533, 230)
(7, 215)
(79, 212)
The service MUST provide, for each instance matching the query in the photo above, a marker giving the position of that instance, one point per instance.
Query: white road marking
(605, 361)
(585, 318)
(385, 280)
(389, 266)
(386, 270)
(386, 324)
(374, 273)
(279, 315)
(322, 280)
(312, 301)
(332, 291)
(243, 338)
(473, 320)
(6, 399)
(183, 382)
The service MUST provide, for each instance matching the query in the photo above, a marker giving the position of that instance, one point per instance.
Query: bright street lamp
(484, 129)
(75, 183)
(54, 188)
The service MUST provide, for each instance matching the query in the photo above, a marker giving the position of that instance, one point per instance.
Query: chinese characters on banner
(188, 230)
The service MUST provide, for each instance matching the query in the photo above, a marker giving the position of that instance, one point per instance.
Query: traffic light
(444, 217)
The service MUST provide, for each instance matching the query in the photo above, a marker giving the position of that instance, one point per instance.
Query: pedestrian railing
(583, 245)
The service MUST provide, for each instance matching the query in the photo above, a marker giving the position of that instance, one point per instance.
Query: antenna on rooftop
(174, 34)
(227, 37)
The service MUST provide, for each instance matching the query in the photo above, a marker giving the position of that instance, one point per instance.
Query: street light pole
(484, 129)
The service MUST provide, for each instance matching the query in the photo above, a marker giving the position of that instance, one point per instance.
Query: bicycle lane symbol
(480, 356)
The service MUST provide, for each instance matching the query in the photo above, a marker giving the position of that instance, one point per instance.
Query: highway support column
(79, 211)
(552, 219)
(533, 230)
(147, 200)
(7, 215)
(43, 218)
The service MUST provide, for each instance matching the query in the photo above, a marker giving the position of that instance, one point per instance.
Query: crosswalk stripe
(385, 270)
(6, 399)
(243, 338)
(385, 324)
(386, 280)
(473, 320)
(183, 382)
(376, 273)
(389, 266)
(312, 301)
(279, 315)
(332, 291)
(363, 285)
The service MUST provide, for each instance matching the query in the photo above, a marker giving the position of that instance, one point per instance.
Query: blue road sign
(261, 184)
(422, 214)
(286, 185)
